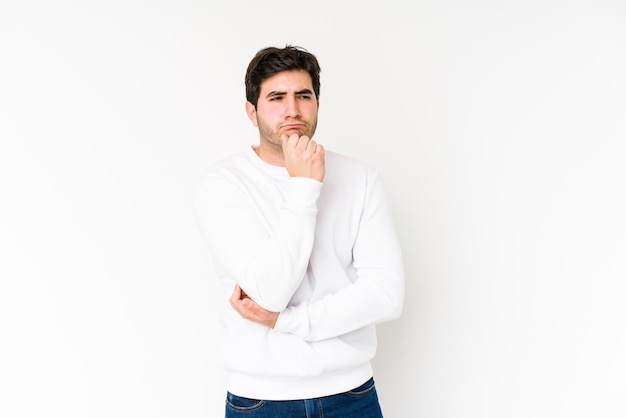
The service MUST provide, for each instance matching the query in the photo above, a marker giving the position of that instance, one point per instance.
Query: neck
(270, 154)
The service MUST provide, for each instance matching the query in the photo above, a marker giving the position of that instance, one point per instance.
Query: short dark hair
(272, 60)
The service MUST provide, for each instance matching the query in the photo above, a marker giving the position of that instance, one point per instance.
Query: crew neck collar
(274, 170)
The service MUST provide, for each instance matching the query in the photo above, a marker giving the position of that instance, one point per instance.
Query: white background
(499, 129)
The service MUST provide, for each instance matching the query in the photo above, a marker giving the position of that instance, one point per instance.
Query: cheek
(312, 110)
(266, 119)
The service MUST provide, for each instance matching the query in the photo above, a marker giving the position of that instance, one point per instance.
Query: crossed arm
(303, 158)
(250, 310)
(376, 295)
(274, 266)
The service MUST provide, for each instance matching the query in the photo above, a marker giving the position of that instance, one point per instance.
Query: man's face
(287, 105)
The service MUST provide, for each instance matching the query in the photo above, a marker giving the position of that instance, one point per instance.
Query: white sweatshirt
(324, 255)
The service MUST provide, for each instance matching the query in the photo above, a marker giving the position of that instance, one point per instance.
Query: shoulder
(222, 179)
(226, 167)
(342, 165)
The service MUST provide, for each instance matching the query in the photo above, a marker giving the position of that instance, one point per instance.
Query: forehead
(286, 81)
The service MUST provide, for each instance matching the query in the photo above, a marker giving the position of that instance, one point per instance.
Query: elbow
(272, 296)
(272, 300)
(396, 310)
(394, 307)
(395, 303)
(273, 304)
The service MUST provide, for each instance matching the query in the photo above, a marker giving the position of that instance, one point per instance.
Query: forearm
(354, 307)
(373, 298)
(375, 291)
(265, 253)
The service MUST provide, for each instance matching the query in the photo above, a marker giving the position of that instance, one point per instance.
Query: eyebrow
(282, 93)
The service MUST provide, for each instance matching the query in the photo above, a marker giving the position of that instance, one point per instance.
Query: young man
(303, 242)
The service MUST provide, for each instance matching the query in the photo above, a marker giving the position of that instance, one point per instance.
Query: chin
(297, 131)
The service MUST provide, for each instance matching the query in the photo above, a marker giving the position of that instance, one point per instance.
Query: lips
(293, 126)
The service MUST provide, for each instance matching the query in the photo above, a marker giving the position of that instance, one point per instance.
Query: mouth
(289, 126)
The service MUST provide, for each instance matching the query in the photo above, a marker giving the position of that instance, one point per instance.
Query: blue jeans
(361, 402)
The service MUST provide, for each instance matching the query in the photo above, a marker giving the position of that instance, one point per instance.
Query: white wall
(499, 128)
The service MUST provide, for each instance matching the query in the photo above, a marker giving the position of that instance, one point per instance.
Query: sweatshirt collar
(273, 170)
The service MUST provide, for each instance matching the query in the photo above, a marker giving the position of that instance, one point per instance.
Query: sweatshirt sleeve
(267, 261)
(377, 293)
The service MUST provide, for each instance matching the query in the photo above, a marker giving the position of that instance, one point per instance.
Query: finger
(293, 140)
(289, 142)
(240, 307)
(253, 311)
(236, 293)
(303, 143)
(235, 298)
(235, 303)
(250, 310)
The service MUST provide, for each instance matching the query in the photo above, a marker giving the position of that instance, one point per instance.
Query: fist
(303, 157)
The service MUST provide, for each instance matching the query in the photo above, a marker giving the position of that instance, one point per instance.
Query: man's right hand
(303, 157)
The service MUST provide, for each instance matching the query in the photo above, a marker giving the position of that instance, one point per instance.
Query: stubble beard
(272, 138)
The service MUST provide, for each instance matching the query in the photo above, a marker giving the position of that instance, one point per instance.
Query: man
(303, 242)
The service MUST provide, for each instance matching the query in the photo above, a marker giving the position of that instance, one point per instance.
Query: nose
(292, 109)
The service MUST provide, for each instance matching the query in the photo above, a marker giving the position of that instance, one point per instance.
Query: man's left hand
(250, 310)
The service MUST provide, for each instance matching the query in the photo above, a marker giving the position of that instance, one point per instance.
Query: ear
(251, 112)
